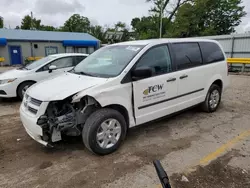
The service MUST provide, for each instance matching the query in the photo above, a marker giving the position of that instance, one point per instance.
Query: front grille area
(32, 110)
(35, 102)
(31, 104)
(2, 92)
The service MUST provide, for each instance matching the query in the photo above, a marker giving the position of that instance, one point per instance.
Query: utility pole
(31, 24)
(161, 18)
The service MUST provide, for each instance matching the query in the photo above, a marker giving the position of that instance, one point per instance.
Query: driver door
(62, 64)
(154, 97)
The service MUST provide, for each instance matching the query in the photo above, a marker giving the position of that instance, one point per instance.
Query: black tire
(21, 87)
(92, 125)
(205, 105)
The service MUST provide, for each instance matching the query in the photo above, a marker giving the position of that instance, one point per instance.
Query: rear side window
(187, 55)
(211, 52)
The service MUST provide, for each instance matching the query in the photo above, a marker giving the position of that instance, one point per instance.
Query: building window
(50, 50)
(69, 49)
(91, 50)
(81, 50)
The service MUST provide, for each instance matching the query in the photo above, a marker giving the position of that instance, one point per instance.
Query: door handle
(183, 76)
(171, 79)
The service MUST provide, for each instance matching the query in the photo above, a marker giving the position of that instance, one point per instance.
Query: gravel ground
(179, 142)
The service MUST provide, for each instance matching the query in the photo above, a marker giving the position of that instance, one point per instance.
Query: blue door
(15, 55)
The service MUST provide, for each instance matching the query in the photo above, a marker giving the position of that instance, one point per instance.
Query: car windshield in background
(108, 61)
(38, 63)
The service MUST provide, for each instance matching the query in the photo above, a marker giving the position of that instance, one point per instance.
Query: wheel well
(218, 83)
(122, 110)
(22, 83)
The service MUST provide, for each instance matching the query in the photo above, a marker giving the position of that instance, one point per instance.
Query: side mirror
(51, 68)
(141, 73)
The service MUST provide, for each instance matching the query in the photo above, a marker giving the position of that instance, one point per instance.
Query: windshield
(108, 61)
(38, 63)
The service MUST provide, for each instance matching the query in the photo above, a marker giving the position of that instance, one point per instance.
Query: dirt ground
(180, 142)
(2, 69)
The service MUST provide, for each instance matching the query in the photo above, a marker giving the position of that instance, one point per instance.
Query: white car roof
(166, 40)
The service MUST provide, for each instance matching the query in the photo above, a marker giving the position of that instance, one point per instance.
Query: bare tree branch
(158, 3)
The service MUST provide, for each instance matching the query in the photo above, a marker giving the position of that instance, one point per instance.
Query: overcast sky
(103, 12)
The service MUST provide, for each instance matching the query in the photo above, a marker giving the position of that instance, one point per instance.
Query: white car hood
(15, 73)
(61, 87)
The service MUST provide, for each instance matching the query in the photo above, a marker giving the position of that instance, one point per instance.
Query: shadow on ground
(217, 174)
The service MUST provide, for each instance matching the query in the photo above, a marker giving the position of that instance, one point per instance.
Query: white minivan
(15, 82)
(124, 85)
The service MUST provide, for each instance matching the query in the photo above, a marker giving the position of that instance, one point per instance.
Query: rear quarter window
(211, 52)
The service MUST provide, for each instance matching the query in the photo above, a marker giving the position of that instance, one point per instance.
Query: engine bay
(64, 117)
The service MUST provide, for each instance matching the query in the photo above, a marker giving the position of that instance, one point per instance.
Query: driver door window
(61, 63)
(158, 59)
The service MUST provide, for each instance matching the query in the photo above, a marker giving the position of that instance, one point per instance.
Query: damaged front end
(66, 118)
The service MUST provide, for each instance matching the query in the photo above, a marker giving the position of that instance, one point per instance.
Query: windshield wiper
(23, 68)
(84, 73)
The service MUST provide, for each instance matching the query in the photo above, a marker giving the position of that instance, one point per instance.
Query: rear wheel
(23, 88)
(213, 99)
(104, 131)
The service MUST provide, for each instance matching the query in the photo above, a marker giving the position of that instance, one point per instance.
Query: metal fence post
(243, 67)
(232, 49)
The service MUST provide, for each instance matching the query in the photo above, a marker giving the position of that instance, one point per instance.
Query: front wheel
(104, 131)
(23, 88)
(213, 99)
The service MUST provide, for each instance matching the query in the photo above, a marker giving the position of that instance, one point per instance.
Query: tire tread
(205, 106)
(93, 119)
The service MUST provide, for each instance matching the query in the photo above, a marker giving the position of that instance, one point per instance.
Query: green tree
(165, 9)
(1, 22)
(169, 7)
(186, 22)
(122, 27)
(119, 26)
(29, 23)
(76, 23)
(47, 28)
(146, 27)
(149, 27)
(98, 32)
(208, 17)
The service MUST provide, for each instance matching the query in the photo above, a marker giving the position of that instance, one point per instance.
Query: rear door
(191, 75)
(215, 61)
(154, 97)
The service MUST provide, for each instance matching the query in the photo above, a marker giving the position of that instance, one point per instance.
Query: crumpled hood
(61, 87)
(14, 73)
